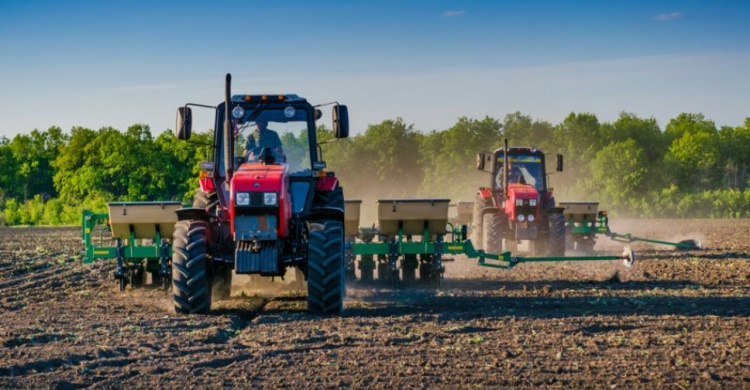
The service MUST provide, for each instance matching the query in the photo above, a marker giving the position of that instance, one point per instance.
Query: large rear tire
(325, 268)
(556, 235)
(190, 283)
(493, 228)
(477, 229)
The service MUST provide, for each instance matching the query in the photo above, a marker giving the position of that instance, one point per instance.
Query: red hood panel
(259, 177)
(522, 191)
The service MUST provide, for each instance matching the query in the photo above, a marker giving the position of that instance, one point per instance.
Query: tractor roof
(268, 98)
(521, 150)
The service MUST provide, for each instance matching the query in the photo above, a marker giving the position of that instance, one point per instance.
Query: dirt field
(677, 320)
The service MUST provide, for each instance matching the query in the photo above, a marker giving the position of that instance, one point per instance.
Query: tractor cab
(524, 167)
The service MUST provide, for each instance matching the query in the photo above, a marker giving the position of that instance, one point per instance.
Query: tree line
(691, 168)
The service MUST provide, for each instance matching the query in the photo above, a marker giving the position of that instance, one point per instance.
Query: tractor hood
(259, 177)
(256, 219)
(522, 199)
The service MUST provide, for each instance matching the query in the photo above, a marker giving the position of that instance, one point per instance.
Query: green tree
(449, 157)
(520, 130)
(645, 132)
(734, 144)
(68, 165)
(619, 171)
(8, 170)
(578, 138)
(694, 156)
(389, 159)
(33, 154)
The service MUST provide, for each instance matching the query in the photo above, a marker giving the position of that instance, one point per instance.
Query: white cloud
(450, 14)
(668, 16)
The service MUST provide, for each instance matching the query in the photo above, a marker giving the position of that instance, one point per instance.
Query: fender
(327, 183)
(490, 210)
(207, 184)
(192, 213)
(485, 193)
(333, 213)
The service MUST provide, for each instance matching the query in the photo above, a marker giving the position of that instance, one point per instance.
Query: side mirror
(340, 121)
(480, 161)
(184, 123)
(559, 162)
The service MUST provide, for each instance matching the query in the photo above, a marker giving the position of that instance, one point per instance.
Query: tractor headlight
(238, 112)
(521, 218)
(270, 199)
(519, 202)
(532, 202)
(242, 199)
(530, 217)
(290, 112)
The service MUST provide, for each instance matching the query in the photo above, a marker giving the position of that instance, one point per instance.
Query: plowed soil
(675, 320)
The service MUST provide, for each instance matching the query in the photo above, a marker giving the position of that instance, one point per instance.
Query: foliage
(619, 171)
(631, 166)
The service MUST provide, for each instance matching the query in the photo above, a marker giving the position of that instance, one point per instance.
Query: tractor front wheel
(325, 268)
(477, 232)
(556, 235)
(493, 227)
(190, 283)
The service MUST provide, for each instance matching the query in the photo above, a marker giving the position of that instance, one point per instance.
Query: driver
(263, 137)
(514, 175)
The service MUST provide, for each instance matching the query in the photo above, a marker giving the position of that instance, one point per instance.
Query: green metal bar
(565, 258)
(628, 238)
(89, 220)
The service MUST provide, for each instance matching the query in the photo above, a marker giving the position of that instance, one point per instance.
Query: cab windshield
(283, 133)
(521, 169)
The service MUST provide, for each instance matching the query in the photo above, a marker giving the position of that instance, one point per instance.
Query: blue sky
(110, 63)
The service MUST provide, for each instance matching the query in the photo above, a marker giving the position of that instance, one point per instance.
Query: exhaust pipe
(228, 133)
(505, 168)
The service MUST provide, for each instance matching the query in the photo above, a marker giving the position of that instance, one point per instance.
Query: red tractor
(518, 205)
(264, 207)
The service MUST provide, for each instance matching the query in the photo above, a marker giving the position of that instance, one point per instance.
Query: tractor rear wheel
(556, 235)
(480, 204)
(325, 268)
(493, 228)
(190, 284)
